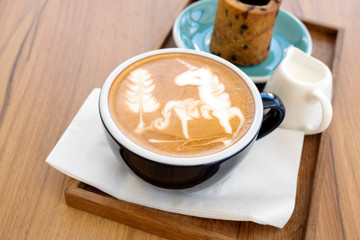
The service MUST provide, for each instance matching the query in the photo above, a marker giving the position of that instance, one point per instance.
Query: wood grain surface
(52, 53)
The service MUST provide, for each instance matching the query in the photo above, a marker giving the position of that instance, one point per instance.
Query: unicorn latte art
(181, 105)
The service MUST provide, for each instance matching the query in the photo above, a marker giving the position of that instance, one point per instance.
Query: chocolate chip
(233, 57)
(237, 16)
(230, 24)
(244, 27)
(263, 9)
(226, 12)
(245, 47)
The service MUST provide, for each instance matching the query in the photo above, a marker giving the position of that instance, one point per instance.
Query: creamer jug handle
(327, 112)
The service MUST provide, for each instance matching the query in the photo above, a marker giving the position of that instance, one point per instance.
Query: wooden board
(327, 42)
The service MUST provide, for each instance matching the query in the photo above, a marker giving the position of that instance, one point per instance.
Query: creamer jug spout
(304, 68)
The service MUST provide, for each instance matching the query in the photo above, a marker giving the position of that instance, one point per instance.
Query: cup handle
(274, 117)
(327, 112)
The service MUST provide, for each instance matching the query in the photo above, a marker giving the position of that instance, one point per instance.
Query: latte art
(139, 96)
(213, 102)
(181, 105)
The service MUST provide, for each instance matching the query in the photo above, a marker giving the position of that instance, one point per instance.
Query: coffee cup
(304, 84)
(180, 118)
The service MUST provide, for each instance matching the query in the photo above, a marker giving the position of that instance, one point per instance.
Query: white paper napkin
(261, 189)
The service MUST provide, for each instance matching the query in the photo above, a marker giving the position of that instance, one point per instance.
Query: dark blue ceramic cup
(178, 173)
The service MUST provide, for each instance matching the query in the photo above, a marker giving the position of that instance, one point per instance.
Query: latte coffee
(181, 105)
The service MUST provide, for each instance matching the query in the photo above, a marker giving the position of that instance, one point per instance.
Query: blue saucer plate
(193, 28)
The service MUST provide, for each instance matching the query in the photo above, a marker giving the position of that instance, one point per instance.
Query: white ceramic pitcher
(304, 84)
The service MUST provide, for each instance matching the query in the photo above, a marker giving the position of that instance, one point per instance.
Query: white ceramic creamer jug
(304, 84)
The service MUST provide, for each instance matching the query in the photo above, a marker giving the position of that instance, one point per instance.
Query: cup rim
(228, 152)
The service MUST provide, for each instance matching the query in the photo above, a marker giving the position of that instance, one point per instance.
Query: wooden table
(53, 53)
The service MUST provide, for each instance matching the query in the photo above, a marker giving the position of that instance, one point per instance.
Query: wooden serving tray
(327, 42)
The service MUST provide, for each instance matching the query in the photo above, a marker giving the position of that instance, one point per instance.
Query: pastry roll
(243, 30)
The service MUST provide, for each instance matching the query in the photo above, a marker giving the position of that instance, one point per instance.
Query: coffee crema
(181, 105)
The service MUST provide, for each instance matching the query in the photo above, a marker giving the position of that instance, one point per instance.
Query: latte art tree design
(139, 96)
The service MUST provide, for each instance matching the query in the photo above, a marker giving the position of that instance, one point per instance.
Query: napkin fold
(261, 189)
